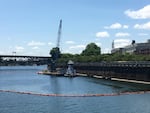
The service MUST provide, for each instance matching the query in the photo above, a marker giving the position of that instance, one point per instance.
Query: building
(133, 48)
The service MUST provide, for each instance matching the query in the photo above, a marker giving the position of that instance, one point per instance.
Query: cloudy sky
(29, 27)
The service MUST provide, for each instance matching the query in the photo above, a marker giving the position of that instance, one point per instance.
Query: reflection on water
(26, 79)
(54, 85)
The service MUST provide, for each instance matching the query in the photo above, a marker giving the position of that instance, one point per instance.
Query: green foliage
(55, 53)
(67, 55)
(91, 49)
(104, 57)
(92, 54)
(1, 59)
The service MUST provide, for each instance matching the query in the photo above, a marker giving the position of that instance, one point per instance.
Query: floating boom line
(76, 95)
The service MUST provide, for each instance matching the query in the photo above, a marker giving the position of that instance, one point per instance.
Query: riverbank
(124, 80)
(95, 76)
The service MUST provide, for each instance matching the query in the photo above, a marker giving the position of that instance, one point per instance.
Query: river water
(16, 83)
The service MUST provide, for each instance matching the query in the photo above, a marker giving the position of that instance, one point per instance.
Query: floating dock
(51, 73)
(59, 74)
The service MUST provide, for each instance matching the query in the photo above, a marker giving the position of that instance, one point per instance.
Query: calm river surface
(26, 79)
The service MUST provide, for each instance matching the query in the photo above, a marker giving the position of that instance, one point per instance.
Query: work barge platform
(131, 70)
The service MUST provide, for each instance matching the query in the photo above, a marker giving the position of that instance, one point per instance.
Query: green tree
(91, 49)
(1, 59)
(55, 53)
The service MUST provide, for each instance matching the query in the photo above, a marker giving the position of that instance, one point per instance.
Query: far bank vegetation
(92, 53)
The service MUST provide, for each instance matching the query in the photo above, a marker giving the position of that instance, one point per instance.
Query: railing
(23, 56)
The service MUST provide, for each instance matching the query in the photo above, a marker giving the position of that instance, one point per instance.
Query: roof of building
(70, 62)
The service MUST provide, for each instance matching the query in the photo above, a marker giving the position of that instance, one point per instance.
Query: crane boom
(59, 33)
(55, 52)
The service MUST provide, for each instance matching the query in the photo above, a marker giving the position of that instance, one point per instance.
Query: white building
(134, 48)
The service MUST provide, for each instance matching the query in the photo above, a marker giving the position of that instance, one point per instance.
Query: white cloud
(116, 26)
(143, 13)
(122, 34)
(143, 34)
(98, 44)
(50, 43)
(35, 47)
(142, 26)
(121, 43)
(19, 49)
(102, 34)
(34, 43)
(106, 50)
(78, 47)
(70, 42)
(125, 26)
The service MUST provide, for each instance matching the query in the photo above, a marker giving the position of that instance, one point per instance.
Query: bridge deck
(23, 56)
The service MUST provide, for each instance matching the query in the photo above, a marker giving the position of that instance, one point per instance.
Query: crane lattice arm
(59, 34)
(55, 52)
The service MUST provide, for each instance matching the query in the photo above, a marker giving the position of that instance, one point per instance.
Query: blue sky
(29, 27)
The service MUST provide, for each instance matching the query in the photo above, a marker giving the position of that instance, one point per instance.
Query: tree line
(92, 53)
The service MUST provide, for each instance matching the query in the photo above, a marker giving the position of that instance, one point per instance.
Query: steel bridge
(24, 56)
(24, 60)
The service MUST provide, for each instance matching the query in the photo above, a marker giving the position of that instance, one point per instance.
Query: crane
(55, 52)
(59, 34)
